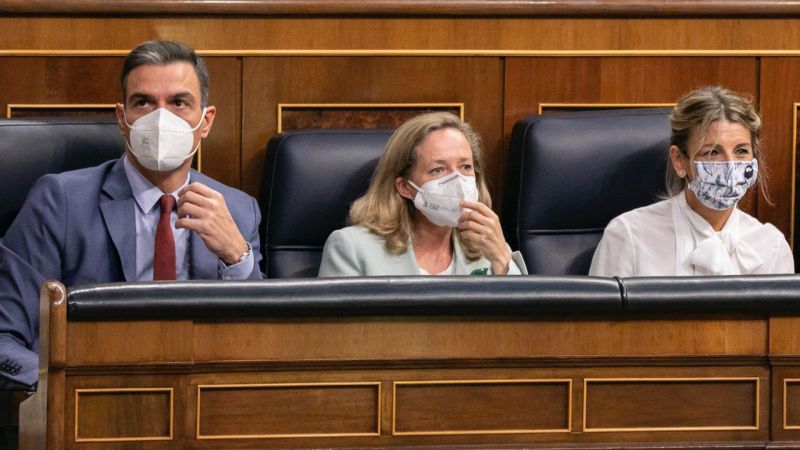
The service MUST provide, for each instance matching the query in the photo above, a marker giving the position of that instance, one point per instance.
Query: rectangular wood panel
(482, 407)
(692, 404)
(288, 410)
(123, 414)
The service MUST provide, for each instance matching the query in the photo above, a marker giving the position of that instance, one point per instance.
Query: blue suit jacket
(79, 227)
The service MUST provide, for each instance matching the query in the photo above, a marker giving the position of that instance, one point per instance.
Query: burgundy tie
(164, 255)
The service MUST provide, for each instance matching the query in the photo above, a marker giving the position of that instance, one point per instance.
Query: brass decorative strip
(422, 52)
(207, 387)
(582, 106)
(289, 106)
(795, 107)
(754, 427)
(78, 392)
(395, 384)
(413, 8)
(88, 106)
(786, 382)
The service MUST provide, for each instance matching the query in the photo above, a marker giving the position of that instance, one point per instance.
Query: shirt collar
(145, 194)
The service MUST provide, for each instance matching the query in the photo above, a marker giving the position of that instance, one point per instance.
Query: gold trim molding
(201, 387)
(567, 381)
(88, 106)
(598, 106)
(282, 106)
(421, 52)
(755, 427)
(125, 390)
(786, 382)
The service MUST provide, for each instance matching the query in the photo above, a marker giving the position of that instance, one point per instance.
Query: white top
(668, 238)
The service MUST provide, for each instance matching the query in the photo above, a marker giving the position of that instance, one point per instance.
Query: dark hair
(159, 53)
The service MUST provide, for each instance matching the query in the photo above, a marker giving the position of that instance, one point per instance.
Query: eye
(436, 170)
(179, 103)
(466, 167)
(141, 103)
(744, 151)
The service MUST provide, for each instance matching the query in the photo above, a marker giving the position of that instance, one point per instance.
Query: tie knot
(167, 202)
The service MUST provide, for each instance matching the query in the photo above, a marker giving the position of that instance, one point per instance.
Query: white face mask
(161, 140)
(440, 199)
(721, 184)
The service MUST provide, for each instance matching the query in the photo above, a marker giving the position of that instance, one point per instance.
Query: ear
(404, 189)
(119, 110)
(208, 120)
(679, 161)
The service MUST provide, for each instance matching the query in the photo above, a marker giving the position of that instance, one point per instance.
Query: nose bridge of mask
(165, 119)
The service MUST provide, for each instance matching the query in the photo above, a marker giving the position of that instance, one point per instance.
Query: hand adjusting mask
(440, 199)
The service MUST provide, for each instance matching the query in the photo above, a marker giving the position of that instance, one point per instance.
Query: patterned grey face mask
(721, 184)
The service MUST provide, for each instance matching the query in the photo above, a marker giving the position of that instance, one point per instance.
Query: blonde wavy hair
(382, 210)
(692, 117)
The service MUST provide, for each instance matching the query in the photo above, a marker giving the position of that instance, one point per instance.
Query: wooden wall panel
(530, 81)
(221, 157)
(476, 82)
(779, 92)
(689, 405)
(510, 34)
(293, 410)
(507, 406)
(123, 415)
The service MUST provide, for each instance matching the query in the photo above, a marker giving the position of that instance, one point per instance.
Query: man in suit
(147, 216)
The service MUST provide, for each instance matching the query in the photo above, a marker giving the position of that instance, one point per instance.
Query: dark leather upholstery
(310, 180)
(405, 296)
(570, 174)
(774, 294)
(444, 296)
(30, 148)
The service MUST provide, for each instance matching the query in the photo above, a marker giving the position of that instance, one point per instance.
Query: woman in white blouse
(427, 210)
(714, 157)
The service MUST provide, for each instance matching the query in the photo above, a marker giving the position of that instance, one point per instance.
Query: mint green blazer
(355, 252)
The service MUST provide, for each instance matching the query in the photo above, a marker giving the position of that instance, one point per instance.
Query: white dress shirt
(668, 238)
(147, 213)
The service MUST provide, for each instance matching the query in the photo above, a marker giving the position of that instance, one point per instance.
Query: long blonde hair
(386, 213)
(694, 114)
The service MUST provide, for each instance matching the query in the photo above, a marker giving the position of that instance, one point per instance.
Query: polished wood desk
(360, 363)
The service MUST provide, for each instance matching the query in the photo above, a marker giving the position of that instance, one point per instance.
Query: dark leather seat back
(30, 148)
(570, 174)
(310, 180)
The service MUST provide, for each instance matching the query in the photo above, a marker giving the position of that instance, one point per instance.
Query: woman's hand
(480, 227)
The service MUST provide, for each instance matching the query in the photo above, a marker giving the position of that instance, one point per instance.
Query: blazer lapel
(118, 214)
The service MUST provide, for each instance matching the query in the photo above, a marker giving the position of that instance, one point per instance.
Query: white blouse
(668, 238)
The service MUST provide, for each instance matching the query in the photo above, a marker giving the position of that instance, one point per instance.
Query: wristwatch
(241, 258)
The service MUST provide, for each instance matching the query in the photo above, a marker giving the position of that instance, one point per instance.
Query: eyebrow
(179, 96)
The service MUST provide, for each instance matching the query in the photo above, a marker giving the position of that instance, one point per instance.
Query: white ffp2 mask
(440, 199)
(162, 141)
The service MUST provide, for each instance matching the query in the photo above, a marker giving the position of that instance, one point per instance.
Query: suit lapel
(118, 214)
(203, 265)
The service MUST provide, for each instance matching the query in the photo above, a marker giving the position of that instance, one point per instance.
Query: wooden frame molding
(580, 106)
(207, 387)
(567, 381)
(420, 52)
(87, 106)
(401, 8)
(287, 106)
(786, 425)
(757, 400)
(78, 393)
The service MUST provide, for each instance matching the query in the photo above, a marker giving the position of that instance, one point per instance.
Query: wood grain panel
(287, 410)
(777, 98)
(530, 82)
(379, 338)
(594, 8)
(363, 116)
(508, 34)
(791, 401)
(475, 82)
(691, 404)
(221, 155)
(784, 340)
(123, 415)
(100, 343)
(482, 407)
